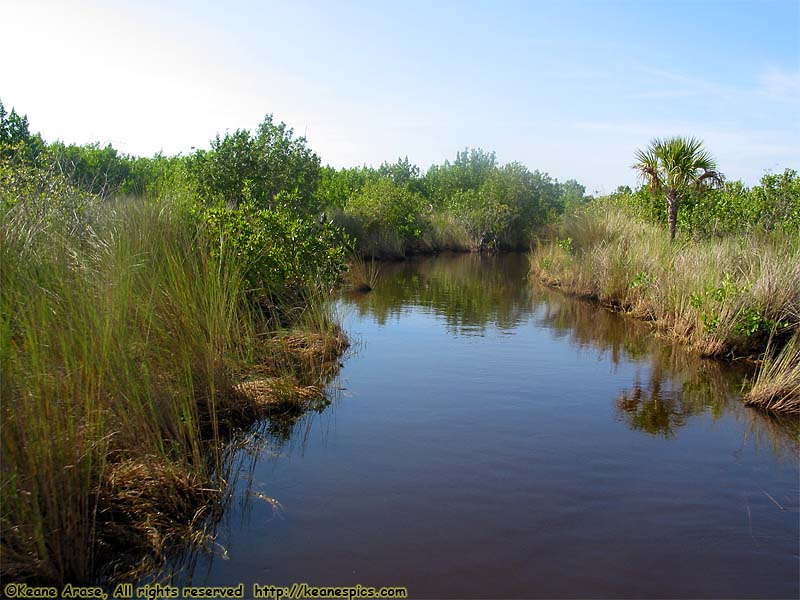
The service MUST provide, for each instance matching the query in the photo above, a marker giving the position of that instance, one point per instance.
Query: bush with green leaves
(285, 257)
(104, 171)
(773, 205)
(43, 202)
(462, 205)
(336, 187)
(508, 207)
(384, 205)
(99, 169)
(268, 167)
(470, 169)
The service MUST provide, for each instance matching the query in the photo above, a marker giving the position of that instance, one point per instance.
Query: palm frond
(647, 165)
(676, 163)
(710, 179)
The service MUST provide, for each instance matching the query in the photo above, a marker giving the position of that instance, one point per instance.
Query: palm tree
(675, 166)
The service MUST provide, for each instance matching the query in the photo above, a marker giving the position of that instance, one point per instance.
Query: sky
(571, 88)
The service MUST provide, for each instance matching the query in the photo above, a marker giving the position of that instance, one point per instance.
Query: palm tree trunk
(672, 205)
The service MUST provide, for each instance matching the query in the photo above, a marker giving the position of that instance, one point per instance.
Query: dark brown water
(494, 439)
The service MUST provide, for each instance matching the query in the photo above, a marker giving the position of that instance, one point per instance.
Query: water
(495, 439)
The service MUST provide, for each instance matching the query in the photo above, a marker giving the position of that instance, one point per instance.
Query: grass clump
(777, 384)
(362, 275)
(126, 331)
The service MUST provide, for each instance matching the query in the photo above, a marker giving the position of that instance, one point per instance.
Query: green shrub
(385, 205)
(284, 256)
(269, 167)
(470, 203)
(511, 203)
(52, 202)
(773, 205)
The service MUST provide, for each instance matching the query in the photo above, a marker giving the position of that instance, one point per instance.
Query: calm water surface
(488, 438)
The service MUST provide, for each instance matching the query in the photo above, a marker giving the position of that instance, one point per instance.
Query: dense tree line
(472, 202)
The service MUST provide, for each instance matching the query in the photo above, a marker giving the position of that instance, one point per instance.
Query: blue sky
(570, 88)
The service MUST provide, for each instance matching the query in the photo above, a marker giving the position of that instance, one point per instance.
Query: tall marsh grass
(122, 343)
(722, 296)
(362, 275)
(777, 384)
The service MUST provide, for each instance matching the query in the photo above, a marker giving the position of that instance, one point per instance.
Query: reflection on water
(656, 413)
(474, 292)
(498, 439)
(468, 290)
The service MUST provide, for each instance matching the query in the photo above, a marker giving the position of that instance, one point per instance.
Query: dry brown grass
(145, 508)
(777, 385)
(263, 395)
(719, 296)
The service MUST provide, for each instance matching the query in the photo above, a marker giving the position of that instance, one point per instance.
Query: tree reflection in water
(470, 291)
(473, 293)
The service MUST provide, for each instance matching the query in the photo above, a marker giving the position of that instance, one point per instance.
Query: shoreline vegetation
(133, 357)
(152, 309)
(141, 336)
(727, 287)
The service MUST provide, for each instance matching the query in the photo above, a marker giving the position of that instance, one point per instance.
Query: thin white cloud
(781, 85)
(664, 94)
